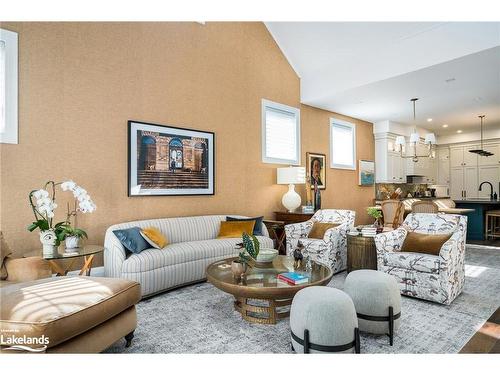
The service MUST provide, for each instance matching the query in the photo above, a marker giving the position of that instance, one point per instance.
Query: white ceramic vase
(72, 242)
(291, 200)
(48, 240)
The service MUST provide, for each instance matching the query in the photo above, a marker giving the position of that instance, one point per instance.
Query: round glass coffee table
(260, 297)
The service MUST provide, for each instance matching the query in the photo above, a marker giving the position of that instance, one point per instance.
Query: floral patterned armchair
(439, 278)
(332, 249)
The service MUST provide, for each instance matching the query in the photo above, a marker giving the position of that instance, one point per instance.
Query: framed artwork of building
(166, 160)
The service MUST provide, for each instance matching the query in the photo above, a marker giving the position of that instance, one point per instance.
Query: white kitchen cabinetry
(464, 182)
(389, 166)
(461, 157)
(490, 160)
(396, 168)
(490, 174)
(443, 165)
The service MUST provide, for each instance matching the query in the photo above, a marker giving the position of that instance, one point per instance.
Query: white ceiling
(371, 70)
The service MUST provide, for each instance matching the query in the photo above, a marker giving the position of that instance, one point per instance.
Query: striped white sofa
(192, 247)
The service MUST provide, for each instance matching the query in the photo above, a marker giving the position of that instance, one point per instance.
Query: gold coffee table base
(265, 313)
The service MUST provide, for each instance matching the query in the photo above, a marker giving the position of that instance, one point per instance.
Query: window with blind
(280, 133)
(8, 86)
(342, 144)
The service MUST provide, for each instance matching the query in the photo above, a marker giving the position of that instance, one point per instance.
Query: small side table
(292, 217)
(276, 231)
(361, 253)
(87, 252)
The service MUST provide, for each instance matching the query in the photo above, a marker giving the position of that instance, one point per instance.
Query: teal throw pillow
(132, 240)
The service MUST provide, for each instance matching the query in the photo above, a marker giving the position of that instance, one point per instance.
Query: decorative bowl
(266, 255)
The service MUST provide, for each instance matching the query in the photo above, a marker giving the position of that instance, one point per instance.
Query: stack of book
(293, 278)
(369, 231)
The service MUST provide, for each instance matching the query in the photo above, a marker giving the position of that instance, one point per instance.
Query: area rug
(201, 319)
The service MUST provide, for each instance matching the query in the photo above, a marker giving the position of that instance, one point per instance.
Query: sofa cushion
(235, 229)
(413, 261)
(424, 243)
(318, 229)
(257, 229)
(132, 239)
(185, 252)
(63, 307)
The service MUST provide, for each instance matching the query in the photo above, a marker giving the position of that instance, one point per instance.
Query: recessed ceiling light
(445, 125)
(459, 131)
(429, 120)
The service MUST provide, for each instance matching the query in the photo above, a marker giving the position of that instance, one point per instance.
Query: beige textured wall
(79, 83)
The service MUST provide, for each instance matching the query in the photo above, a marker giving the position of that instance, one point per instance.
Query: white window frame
(285, 108)
(10, 134)
(334, 122)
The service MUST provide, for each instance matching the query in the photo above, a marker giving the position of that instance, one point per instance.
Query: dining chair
(393, 211)
(424, 207)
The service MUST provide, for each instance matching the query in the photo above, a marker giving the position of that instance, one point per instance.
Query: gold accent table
(61, 269)
(259, 296)
(361, 253)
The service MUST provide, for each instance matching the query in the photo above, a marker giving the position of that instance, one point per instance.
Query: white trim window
(8, 87)
(342, 144)
(280, 133)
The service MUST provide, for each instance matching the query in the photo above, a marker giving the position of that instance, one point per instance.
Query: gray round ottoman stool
(377, 300)
(323, 319)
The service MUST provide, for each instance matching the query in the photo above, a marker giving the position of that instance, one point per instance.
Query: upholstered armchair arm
(298, 230)
(333, 234)
(114, 255)
(390, 241)
(27, 269)
(452, 247)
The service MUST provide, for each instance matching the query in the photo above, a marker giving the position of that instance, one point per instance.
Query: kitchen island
(476, 219)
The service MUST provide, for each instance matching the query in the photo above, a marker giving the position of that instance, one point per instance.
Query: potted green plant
(72, 236)
(376, 214)
(250, 248)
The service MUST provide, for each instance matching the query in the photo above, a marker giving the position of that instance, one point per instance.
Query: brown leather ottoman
(74, 314)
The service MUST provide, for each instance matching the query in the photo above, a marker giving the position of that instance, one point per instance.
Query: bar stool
(492, 225)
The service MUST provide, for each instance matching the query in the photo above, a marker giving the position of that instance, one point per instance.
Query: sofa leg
(129, 338)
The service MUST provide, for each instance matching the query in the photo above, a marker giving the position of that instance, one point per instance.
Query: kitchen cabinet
(396, 168)
(490, 174)
(464, 182)
(461, 157)
(493, 159)
(443, 165)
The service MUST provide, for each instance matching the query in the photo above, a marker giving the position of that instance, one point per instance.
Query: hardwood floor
(495, 242)
(487, 338)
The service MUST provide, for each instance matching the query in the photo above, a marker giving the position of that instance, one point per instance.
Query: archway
(147, 153)
(176, 160)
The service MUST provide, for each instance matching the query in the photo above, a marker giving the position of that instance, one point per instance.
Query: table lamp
(291, 176)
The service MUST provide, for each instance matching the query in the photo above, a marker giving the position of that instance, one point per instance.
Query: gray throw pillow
(131, 239)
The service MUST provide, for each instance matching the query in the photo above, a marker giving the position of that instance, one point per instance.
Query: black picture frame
(181, 162)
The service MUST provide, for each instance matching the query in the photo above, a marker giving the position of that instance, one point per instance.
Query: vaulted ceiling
(371, 70)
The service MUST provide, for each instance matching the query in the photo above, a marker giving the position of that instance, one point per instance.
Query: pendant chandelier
(482, 151)
(430, 139)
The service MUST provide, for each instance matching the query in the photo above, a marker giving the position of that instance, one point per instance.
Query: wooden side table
(361, 253)
(291, 217)
(276, 231)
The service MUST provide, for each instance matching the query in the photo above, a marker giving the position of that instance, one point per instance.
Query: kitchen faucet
(491, 188)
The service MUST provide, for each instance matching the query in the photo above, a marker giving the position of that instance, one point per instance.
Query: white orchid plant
(43, 205)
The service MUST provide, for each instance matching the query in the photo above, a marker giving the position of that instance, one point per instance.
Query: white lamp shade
(291, 175)
(400, 140)
(414, 138)
(430, 138)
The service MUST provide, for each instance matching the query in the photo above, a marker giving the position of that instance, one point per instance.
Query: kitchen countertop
(477, 201)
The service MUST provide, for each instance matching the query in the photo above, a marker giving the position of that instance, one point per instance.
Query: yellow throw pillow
(235, 229)
(154, 237)
(318, 229)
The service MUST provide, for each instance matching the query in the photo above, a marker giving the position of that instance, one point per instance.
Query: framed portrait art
(166, 160)
(315, 169)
